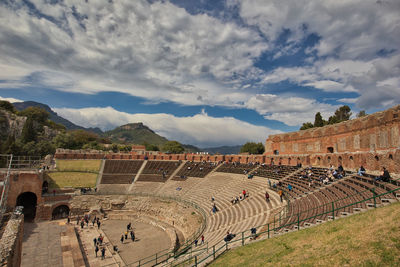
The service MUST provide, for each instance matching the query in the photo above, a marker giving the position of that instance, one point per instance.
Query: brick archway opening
(60, 212)
(28, 200)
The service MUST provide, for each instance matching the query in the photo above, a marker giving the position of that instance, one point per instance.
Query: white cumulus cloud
(11, 99)
(291, 110)
(200, 129)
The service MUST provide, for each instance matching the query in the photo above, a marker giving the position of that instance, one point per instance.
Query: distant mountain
(190, 148)
(54, 116)
(138, 133)
(224, 150)
(135, 133)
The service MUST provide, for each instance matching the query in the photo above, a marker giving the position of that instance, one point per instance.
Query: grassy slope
(71, 179)
(74, 173)
(368, 239)
(79, 165)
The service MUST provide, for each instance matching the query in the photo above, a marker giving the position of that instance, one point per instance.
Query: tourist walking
(133, 236)
(103, 253)
(281, 195)
(96, 249)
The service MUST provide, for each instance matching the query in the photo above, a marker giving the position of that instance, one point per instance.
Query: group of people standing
(129, 232)
(98, 246)
(241, 197)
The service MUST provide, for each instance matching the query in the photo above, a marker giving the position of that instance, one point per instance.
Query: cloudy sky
(201, 72)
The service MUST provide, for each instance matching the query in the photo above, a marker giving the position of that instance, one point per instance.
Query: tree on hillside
(173, 147)
(362, 113)
(125, 148)
(82, 137)
(318, 122)
(114, 148)
(37, 114)
(7, 106)
(252, 148)
(151, 147)
(343, 113)
(307, 125)
(64, 140)
(28, 132)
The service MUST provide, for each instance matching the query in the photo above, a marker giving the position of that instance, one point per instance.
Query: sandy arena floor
(149, 239)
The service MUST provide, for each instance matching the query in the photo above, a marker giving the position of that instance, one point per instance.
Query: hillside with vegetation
(367, 239)
(135, 133)
(53, 116)
(27, 132)
(32, 131)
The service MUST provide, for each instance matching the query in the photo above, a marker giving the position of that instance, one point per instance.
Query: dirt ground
(149, 239)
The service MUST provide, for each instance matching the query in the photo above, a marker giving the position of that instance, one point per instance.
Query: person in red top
(267, 196)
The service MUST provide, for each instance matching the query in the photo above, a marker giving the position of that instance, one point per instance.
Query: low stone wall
(11, 241)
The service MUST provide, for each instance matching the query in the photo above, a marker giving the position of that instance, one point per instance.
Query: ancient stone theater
(141, 208)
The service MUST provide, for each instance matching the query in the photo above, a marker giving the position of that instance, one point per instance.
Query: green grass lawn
(84, 165)
(368, 239)
(71, 179)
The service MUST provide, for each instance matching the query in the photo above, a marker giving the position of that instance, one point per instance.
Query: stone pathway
(87, 234)
(42, 244)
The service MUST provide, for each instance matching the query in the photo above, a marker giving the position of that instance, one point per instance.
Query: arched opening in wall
(351, 158)
(28, 200)
(340, 159)
(272, 161)
(329, 149)
(319, 160)
(60, 212)
(376, 158)
(390, 156)
(45, 187)
(329, 159)
(276, 152)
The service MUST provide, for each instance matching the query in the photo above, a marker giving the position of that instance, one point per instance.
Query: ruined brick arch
(329, 159)
(60, 210)
(29, 201)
